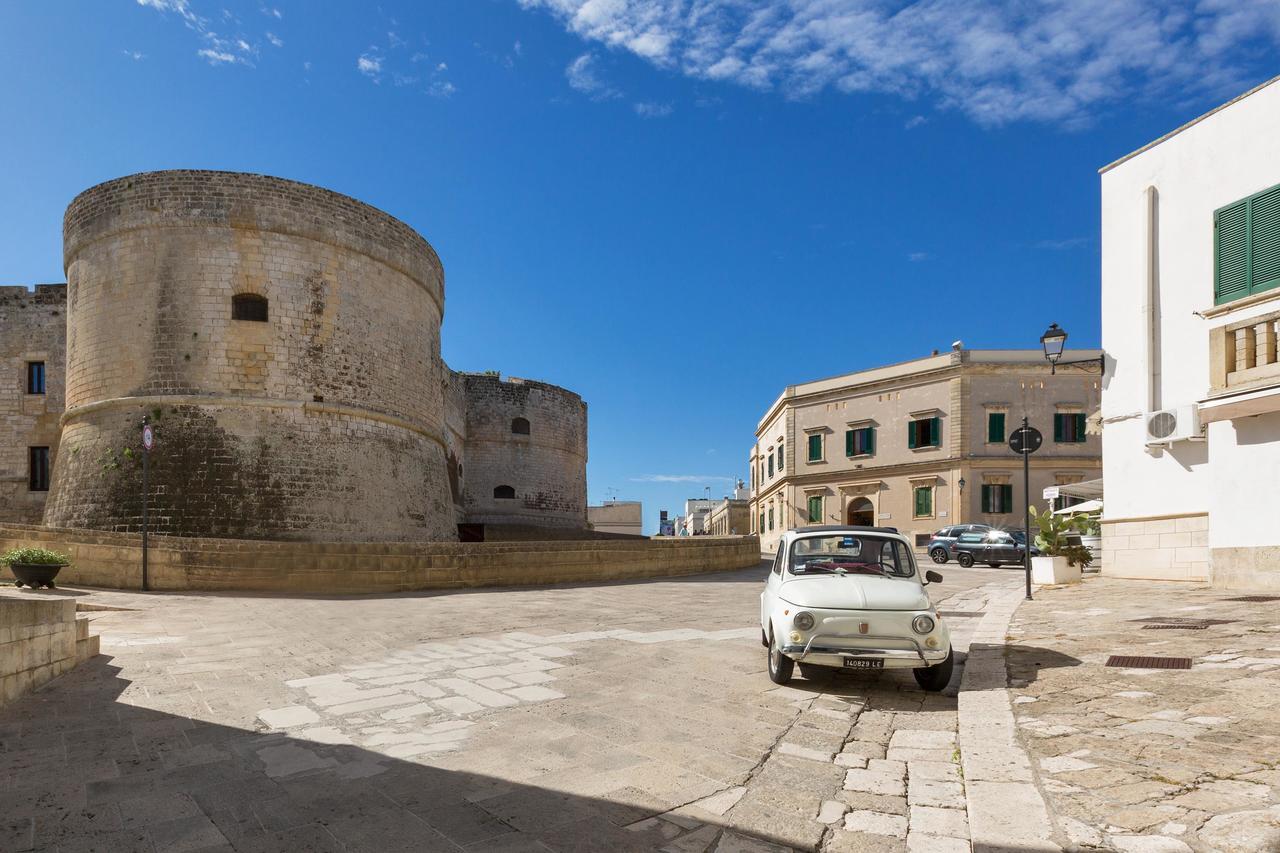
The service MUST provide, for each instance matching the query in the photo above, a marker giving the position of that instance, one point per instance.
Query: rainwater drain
(1257, 598)
(1141, 662)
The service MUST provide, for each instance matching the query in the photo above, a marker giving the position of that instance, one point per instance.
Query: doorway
(862, 513)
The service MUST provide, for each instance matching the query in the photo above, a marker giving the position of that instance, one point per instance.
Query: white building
(696, 511)
(1190, 308)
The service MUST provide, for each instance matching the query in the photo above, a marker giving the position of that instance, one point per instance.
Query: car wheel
(764, 638)
(936, 677)
(939, 555)
(780, 666)
(813, 672)
(965, 560)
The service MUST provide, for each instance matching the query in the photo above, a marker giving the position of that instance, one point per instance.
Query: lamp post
(1054, 341)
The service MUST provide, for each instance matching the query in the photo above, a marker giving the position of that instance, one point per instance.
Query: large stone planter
(1053, 570)
(36, 575)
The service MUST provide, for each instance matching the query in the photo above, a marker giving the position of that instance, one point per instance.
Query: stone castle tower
(285, 341)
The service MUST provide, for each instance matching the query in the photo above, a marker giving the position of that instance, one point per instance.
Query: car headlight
(803, 621)
(923, 624)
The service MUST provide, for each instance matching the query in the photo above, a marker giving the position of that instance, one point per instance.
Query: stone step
(87, 648)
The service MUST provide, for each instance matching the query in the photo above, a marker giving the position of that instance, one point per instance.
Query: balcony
(1244, 372)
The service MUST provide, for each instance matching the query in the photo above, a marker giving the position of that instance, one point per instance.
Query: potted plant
(35, 567)
(1060, 561)
(1091, 535)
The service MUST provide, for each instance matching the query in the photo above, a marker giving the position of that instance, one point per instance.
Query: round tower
(526, 453)
(285, 342)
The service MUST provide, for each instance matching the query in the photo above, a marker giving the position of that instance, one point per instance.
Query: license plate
(863, 663)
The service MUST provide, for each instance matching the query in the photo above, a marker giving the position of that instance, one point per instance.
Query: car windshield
(848, 553)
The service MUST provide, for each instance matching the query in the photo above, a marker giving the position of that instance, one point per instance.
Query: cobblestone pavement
(1152, 759)
(631, 716)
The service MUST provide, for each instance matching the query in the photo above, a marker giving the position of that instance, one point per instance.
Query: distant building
(617, 517)
(922, 444)
(730, 517)
(666, 525)
(1190, 315)
(696, 511)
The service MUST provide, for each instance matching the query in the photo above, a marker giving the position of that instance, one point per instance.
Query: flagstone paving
(1152, 759)
(630, 716)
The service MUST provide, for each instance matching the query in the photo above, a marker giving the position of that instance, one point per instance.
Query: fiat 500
(850, 598)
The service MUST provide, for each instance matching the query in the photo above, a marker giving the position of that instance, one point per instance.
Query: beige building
(617, 517)
(730, 517)
(922, 444)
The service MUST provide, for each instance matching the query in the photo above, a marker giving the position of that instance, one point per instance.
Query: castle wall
(546, 468)
(32, 329)
(324, 423)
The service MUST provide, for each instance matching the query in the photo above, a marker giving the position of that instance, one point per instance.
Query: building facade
(921, 444)
(284, 341)
(626, 517)
(696, 511)
(730, 517)
(1190, 312)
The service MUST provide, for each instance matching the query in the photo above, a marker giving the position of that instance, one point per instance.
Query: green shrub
(1052, 538)
(34, 556)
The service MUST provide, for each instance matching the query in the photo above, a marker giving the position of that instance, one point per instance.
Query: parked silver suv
(939, 546)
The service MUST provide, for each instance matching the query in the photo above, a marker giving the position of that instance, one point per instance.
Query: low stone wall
(180, 563)
(39, 640)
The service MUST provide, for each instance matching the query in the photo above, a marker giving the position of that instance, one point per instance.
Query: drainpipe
(1152, 303)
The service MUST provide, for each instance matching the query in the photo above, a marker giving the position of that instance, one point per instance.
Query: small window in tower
(38, 469)
(35, 377)
(504, 493)
(249, 306)
(520, 426)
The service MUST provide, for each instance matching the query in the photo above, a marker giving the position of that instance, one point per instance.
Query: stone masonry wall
(39, 640)
(323, 423)
(546, 467)
(32, 328)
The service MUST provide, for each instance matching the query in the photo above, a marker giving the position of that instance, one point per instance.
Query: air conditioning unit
(1169, 425)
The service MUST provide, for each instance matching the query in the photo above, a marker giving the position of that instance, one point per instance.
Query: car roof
(800, 532)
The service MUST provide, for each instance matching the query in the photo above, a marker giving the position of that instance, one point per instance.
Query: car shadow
(1023, 664)
(84, 768)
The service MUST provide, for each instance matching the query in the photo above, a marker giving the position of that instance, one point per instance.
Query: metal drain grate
(961, 614)
(1183, 621)
(1174, 627)
(1140, 662)
(1255, 598)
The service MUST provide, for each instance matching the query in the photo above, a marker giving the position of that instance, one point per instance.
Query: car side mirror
(932, 577)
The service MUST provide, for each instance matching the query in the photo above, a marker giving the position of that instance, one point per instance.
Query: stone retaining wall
(39, 640)
(181, 563)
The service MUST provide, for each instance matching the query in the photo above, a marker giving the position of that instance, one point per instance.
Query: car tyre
(965, 560)
(781, 667)
(936, 677)
(939, 555)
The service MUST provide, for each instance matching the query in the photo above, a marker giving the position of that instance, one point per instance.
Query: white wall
(1223, 158)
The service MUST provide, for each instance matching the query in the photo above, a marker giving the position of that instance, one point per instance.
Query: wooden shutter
(815, 448)
(815, 509)
(1080, 427)
(924, 502)
(871, 440)
(935, 432)
(848, 443)
(995, 427)
(1231, 253)
(1057, 427)
(1264, 241)
(986, 498)
(780, 456)
(911, 434)
(1006, 495)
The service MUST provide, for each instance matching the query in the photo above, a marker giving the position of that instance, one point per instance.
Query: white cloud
(997, 61)
(217, 57)
(135, 55)
(217, 50)
(914, 122)
(275, 40)
(681, 478)
(582, 77)
(652, 110)
(369, 66)
(1062, 245)
(917, 257)
(271, 12)
(441, 89)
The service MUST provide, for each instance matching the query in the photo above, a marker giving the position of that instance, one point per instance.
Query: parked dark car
(994, 547)
(939, 547)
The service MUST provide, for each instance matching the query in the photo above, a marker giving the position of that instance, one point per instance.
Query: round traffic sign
(148, 437)
(1025, 440)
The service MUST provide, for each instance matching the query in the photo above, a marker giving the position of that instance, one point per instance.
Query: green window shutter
(935, 432)
(815, 448)
(1006, 495)
(1057, 427)
(1080, 437)
(995, 427)
(848, 442)
(871, 440)
(1264, 241)
(911, 434)
(986, 498)
(770, 464)
(1231, 253)
(924, 502)
(780, 457)
(815, 510)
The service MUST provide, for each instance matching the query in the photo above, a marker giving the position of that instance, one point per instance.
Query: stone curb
(1006, 809)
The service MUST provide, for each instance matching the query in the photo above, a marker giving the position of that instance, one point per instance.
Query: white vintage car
(851, 598)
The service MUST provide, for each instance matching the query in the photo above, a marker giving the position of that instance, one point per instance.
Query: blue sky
(673, 207)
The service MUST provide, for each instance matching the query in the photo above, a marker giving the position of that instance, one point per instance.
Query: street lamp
(1054, 341)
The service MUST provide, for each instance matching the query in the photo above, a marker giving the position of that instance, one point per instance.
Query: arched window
(520, 426)
(249, 306)
(504, 493)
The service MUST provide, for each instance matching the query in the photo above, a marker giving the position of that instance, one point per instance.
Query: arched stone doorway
(861, 512)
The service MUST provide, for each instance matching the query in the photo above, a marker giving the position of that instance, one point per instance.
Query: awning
(1087, 506)
(1089, 490)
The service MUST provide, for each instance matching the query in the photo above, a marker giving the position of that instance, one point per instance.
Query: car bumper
(893, 651)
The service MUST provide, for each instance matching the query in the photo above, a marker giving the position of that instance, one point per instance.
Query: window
(35, 377)
(924, 432)
(520, 426)
(1068, 427)
(997, 498)
(504, 493)
(995, 428)
(860, 442)
(760, 529)
(815, 447)
(771, 518)
(780, 465)
(923, 501)
(863, 554)
(249, 306)
(770, 464)
(815, 509)
(1246, 246)
(38, 471)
